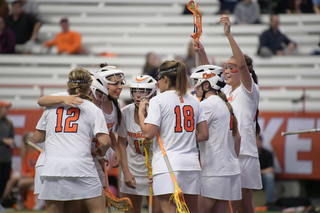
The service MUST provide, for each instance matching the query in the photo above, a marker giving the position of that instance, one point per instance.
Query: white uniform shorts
(100, 172)
(37, 180)
(70, 188)
(250, 172)
(188, 182)
(142, 186)
(221, 187)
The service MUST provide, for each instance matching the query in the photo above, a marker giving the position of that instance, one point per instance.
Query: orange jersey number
(139, 148)
(72, 116)
(188, 118)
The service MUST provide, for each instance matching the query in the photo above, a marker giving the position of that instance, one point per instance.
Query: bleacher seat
(130, 29)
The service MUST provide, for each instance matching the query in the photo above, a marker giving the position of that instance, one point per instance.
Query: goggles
(113, 80)
(142, 92)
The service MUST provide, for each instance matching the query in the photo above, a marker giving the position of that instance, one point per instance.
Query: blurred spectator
(67, 41)
(6, 145)
(24, 26)
(299, 6)
(31, 7)
(227, 6)
(316, 6)
(4, 9)
(273, 42)
(247, 12)
(152, 64)
(7, 38)
(25, 180)
(267, 6)
(267, 171)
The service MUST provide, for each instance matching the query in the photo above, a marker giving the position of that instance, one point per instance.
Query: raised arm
(245, 76)
(198, 47)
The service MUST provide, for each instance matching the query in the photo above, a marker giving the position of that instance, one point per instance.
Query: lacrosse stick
(33, 145)
(300, 132)
(148, 154)
(123, 204)
(197, 30)
(177, 196)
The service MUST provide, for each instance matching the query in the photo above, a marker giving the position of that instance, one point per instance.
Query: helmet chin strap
(204, 93)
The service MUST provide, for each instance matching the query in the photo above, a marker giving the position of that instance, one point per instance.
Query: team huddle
(78, 127)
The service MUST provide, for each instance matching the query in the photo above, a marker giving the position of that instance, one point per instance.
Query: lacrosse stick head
(142, 87)
(197, 19)
(122, 204)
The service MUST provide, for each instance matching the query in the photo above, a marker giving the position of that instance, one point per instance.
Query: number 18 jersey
(177, 118)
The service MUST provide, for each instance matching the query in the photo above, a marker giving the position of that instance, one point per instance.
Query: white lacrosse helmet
(108, 72)
(98, 84)
(212, 74)
(144, 83)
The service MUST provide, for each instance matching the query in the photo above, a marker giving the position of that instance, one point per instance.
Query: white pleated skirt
(37, 180)
(221, 187)
(250, 172)
(70, 188)
(188, 182)
(142, 186)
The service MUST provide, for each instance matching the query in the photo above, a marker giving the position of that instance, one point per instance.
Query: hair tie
(80, 81)
(226, 100)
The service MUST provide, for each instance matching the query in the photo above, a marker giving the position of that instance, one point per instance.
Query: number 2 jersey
(135, 151)
(69, 133)
(177, 119)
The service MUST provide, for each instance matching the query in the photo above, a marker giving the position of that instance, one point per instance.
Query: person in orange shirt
(68, 42)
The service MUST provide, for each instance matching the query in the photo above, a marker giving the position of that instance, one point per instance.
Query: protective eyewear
(193, 81)
(113, 80)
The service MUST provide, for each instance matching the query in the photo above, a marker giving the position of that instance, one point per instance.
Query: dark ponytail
(234, 120)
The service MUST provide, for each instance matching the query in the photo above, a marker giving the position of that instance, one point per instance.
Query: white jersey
(69, 132)
(218, 156)
(177, 119)
(245, 106)
(41, 125)
(135, 152)
(111, 119)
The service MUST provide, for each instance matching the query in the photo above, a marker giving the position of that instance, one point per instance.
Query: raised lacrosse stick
(177, 196)
(300, 132)
(197, 30)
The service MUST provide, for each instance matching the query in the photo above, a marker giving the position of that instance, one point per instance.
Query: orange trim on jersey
(135, 135)
(230, 98)
(109, 125)
(141, 79)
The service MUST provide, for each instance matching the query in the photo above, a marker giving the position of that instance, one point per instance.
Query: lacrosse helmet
(144, 84)
(98, 84)
(107, 72)
(212, 74)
